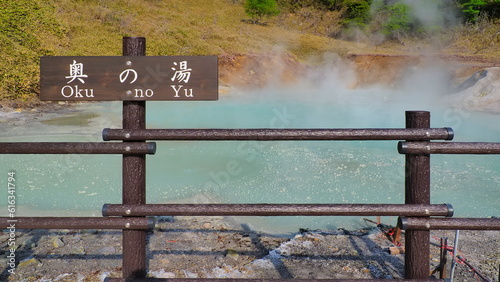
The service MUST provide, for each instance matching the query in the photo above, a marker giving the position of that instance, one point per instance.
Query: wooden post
(417, 191)
(134, 174)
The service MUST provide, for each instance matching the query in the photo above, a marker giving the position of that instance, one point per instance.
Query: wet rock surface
(480, 92)
(216, 247)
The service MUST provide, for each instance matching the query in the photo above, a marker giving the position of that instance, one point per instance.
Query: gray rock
(29, 244)
(190, 274)
(162, 274)
(57, 243)
(107, 250)
(78, 251)
(232, 254)
(482, 95)
(29, 262)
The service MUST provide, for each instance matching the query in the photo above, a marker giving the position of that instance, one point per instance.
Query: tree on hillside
(258, 9)
(399, 22)
(473, 9)
(357, 12)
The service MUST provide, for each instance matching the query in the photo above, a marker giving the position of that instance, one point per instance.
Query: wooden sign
(141, 78)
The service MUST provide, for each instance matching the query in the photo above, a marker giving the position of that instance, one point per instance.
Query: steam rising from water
(432, 15)
(335, 87)
(273, 172)
(329, 172)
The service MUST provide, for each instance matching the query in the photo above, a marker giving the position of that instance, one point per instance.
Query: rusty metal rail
(449, 148)
(132, 215)
(259, 280)
(78, 148)
(133, 223)
(279, 134)
(278, 210)
(416, 223)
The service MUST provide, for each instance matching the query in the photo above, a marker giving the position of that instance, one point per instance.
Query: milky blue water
(256, 172)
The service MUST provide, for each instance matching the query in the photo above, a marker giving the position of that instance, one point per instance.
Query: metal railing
(416, 215)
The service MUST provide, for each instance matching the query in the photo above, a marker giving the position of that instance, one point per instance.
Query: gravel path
(217, 247)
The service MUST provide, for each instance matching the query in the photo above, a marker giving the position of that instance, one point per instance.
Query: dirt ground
(217, 247)
(256, 70)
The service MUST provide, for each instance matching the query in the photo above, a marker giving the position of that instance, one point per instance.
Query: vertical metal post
(134, 174)
(443, 258)
(417, 191)
(454, 257)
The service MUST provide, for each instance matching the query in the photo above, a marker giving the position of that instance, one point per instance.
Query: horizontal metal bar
(259, 280)
(77, 148)
(420, 223)
(277, 210)
(142, 223)
(267, 134)
(448, 148)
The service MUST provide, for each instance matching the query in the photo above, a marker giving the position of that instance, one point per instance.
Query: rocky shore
(217, 247)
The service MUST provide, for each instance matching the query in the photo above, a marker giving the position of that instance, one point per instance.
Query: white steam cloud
(432, 13)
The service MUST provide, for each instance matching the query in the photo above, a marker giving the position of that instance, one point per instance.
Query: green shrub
(474, 9)
(357, 12)
(399, 22)
(258, 9)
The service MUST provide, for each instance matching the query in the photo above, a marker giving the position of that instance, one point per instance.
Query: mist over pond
(264, 172)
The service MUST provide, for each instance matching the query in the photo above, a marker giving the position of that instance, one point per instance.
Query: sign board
(141, 78)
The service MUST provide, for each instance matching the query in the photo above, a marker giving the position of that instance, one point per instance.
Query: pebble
(57, 243)
(232, 254)
(307, 244)
(263, 263)
(29, 244)
(164, 261)
(62, 276)
(334, 249)
(206, 248)
(4, 237)
(29, 261)
(78, 251)
(107, 250)
(162, 274)
(225, 271)
(190, 274)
